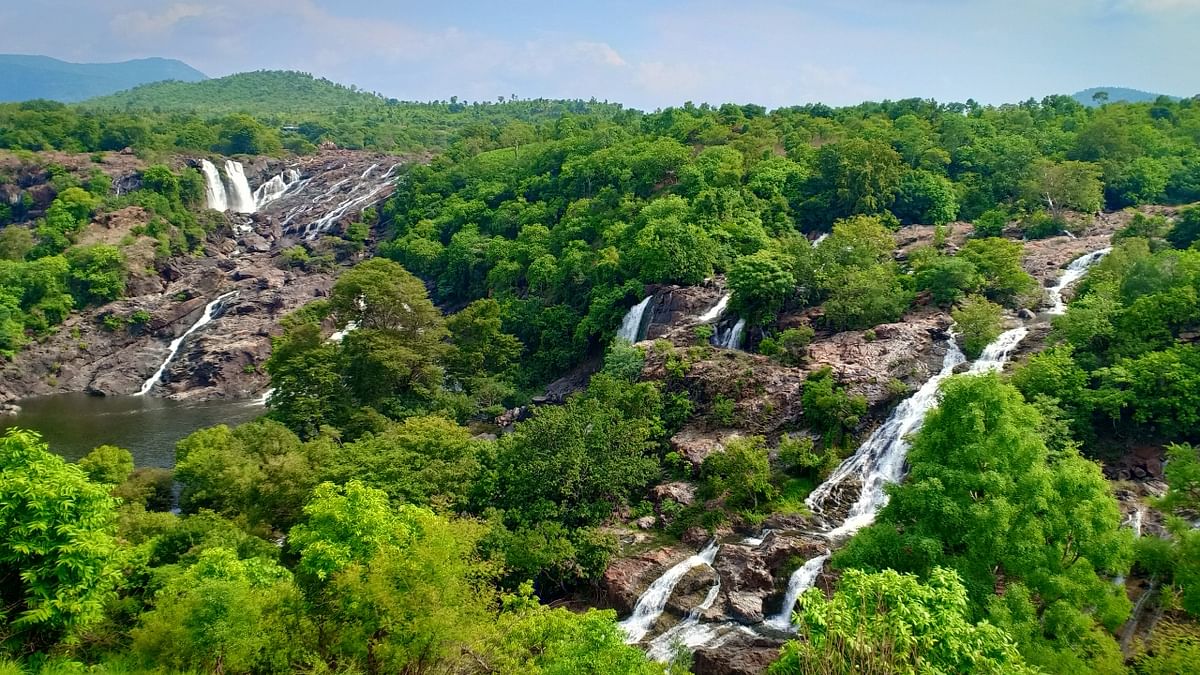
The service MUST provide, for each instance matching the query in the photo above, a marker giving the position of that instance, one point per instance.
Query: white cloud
(601, 52)
(144, 24)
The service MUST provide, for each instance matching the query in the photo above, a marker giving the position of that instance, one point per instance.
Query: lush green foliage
(982, 486)
(892, 623)
(979, 322)
(57, 549)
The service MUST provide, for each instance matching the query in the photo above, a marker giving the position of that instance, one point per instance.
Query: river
(148, 427)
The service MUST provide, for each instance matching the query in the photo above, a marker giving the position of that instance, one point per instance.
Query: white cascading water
(801, 580)
(337, 336)
(820, 239)
(880, 460)
(631, 325)
(877, 462)
(1074, 272)
(210, 311)
(687, 633)
(214, 189)
(995, 355)
(362, 195)
(652, 603)
(716, 311)
(241, 199)
(270, 191)
(733, 339)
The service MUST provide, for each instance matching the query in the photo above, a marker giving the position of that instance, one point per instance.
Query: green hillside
(25, 77)
(258, 92)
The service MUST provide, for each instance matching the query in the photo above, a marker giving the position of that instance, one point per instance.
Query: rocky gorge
(113, 349)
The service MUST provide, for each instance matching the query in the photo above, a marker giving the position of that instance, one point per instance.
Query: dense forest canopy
(372, 521)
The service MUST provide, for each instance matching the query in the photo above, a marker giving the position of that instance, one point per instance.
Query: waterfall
(210, 311)
(214, 190)
(241, 200)
(631, 325)
(652, 603)
(716, 310)
(687, 633)
(337, 336)
(275, 188)
(877, 462)
(757, 541)
(360, 196)
(1135, 520)
(819, 239)
(880, 460)
(734, 339)
(996, 354)
(1073, 273)
(800, 581)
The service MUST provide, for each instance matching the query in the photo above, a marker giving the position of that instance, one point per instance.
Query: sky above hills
(647, 53)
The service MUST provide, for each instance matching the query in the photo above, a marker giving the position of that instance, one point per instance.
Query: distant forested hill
(25, 77)
(1117, 94)
(258, 92)
(308, 110)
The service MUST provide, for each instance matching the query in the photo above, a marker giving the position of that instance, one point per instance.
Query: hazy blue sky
(647, 53)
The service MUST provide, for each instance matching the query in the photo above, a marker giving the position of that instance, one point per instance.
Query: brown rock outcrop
(627, 578)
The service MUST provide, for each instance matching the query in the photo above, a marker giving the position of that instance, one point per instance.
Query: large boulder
(871, 362)
(742, 654)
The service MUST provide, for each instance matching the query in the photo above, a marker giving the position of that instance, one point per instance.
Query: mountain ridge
(1127, 94)
(31, 76)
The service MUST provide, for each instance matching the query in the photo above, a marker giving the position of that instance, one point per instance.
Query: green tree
(427, 461)
(854, 176)
(998, 262)
(107, 464)
(223, 614)
(259, 470)
(867, 297)
(828, 409)
(925, 198)
(979, 322)
(15, 242)
(1065, 185)
(887, 622)
(58, 554)
(576, 462)
(739, 474)
(400, 588)
(668, 248)
(97, 274)
(948, 278)
(533, 639)
(1186, 229)
(761, 284)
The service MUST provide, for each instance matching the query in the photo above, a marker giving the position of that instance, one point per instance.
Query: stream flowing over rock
(223, 359)
(738, 624)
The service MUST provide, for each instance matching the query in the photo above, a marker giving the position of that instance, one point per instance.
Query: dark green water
(148, 427)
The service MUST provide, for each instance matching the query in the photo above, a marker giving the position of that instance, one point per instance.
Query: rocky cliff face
(109, 350)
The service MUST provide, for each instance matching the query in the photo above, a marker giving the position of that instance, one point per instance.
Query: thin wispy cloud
(649, 54)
